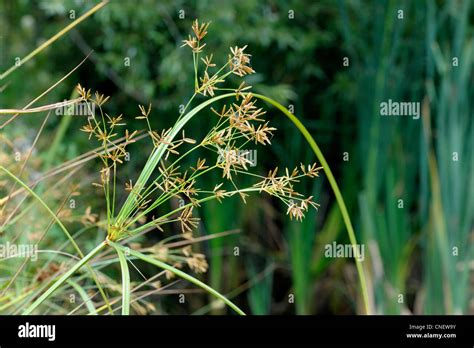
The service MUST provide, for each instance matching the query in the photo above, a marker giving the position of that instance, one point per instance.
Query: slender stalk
(156, 156)
(14, 300)
(84, 296)
(30, 191)
(125, 281)
(54, 38)
(158, 153)
(335, 188)
(40, 108)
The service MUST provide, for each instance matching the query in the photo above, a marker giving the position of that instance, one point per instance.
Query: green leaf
(125, 281)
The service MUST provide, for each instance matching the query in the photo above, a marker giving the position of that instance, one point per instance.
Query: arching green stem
(335, 188)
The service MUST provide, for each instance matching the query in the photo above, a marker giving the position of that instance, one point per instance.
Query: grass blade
(84, 296)
(125, 281)
(158, 153)
(180, 274)
(335, 188)
(53, 38)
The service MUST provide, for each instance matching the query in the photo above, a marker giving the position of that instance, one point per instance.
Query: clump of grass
(164, 178)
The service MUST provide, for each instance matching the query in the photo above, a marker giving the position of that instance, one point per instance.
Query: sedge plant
(165, 181)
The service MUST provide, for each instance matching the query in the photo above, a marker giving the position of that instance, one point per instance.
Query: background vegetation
(408, 183)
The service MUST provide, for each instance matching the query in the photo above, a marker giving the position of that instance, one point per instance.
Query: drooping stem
(334, 186)
(158, 153)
